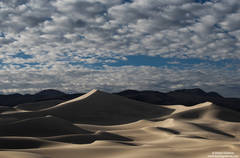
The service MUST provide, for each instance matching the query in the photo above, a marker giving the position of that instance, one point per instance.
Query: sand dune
(24, 143)
(13, 154)
(5, 108)
(103, 125)
(88, 138)
(40, 127)
(98, 107)
(38, 105)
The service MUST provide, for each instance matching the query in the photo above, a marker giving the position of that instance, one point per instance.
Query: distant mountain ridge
(186, 97)
(48, 94)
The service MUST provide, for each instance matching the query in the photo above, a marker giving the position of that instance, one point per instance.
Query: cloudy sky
(112, 45)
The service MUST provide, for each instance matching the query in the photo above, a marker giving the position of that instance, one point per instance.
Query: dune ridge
(97, 107)
(104, 125)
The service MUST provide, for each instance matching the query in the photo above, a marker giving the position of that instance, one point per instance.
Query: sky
(113, 45)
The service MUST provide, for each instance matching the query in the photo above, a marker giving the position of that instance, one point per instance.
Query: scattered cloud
(176, 28)
(62, 39)
(113, 79)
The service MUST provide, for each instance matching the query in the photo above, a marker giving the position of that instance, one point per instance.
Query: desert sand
(103, 125)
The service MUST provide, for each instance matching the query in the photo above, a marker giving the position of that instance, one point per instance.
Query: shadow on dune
(88, 138)
(40, 127)
(212, 130)
(127, 143)
(102, 108)
(6, 108)
(99, 108)
(214, 111)
(168, 130)
(188, 97)
(22, 143)
(35, 106)
(195, 137)
(191, 114)
(228, 115)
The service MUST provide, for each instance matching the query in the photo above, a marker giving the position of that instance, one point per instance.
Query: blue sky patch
(202, 1)
(157, 61)
(21, 54)
(61, 36)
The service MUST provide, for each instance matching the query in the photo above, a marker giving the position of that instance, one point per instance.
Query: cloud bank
(70, 44)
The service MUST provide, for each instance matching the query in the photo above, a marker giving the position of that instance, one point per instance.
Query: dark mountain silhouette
(186, 97)
(48, 94)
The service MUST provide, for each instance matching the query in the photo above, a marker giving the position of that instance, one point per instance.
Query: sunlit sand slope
(102, 125)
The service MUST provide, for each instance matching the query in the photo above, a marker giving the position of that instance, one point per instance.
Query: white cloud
(59, 32)
(117, 29)
(81, 79)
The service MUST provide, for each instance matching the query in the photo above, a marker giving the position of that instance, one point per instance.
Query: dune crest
(97, 107)
(80, 98)
(103, 125)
